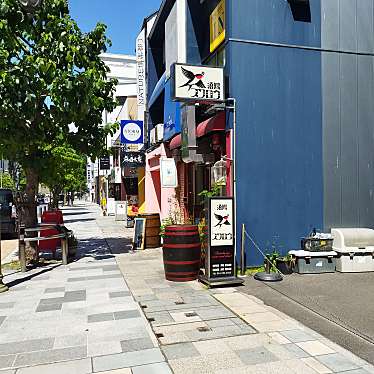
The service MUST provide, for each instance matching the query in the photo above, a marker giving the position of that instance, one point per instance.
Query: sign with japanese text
(132, 132)
(133, 159)
(217, 26)
(221, 222)
(197, 83)
(140, 74)
(221, 244)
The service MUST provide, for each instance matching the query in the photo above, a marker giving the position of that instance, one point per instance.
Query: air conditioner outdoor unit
(152, 136)
(159, 132)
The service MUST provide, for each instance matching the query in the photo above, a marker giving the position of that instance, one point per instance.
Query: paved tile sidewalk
(76, 319)
(86, 318)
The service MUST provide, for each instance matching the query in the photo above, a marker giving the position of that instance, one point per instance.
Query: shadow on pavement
(78, 220)
(75, 213)
(26, 277)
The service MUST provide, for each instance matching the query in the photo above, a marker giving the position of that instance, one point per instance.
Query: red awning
(216, 123)
(175, 142)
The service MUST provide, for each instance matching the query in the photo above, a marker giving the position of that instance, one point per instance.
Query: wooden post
(22, 249)
(64, 247)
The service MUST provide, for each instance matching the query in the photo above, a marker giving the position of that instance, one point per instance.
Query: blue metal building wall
(279, 121)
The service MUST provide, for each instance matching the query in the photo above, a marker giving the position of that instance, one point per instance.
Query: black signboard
(220, 258)
(132, 159)
(105, 163)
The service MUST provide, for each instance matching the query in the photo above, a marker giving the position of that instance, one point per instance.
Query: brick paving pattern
(112, 311)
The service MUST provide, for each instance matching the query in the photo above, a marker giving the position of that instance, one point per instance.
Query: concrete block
(181, 350)
(258, 355)
(315, 348)
(72, 367)
(337, 362)
(128, 359)
(159, 368)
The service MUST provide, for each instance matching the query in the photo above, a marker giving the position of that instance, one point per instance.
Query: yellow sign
(217, 26)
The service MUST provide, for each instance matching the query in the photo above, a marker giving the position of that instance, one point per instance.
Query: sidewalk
(91, 316)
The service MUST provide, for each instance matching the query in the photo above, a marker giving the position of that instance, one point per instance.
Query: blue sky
(123, 18)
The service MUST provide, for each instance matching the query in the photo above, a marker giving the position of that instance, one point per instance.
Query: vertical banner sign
(221, 251)
(132, 132)
(217, 26)
(140, 74)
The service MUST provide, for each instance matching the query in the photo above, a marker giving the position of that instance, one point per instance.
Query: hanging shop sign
(197, 83)
(217, 26)
(168, 173)
(132, 159)
(132, 132)
(220, 256)
(104, 163)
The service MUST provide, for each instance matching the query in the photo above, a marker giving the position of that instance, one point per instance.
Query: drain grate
(203, 329)
(179, 302)
(151, 319)
(190, 314)
(159, 335)
(143, 306)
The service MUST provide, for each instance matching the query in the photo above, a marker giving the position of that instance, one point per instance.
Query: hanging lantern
(219, 172)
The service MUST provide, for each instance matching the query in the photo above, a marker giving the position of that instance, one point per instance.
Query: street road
(7, 247)
(338, 306)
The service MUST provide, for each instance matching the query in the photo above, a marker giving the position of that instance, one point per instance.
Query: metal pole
(242, 254)
(22, 248)
(64, 245)
(3, 287)
(233, 159)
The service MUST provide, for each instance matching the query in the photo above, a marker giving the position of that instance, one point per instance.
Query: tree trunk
(55, 196)
(30, 218)
(32, 180)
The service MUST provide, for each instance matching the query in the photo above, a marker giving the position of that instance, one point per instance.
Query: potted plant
(274, 262)
(285, 264)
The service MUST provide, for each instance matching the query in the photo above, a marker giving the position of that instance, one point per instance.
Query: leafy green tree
(51, 76)
(6, 181)
(65, 170)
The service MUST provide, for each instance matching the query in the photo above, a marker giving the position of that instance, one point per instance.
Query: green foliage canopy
(65, 169)
(7, 181)
(51, 76)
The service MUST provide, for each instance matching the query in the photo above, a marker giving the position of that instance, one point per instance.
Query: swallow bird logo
(193, 79)
(222, 220)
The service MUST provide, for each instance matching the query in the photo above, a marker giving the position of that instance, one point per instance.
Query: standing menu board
(220, 267)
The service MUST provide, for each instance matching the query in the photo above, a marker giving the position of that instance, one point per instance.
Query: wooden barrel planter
(181, 253)
(152, 230)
